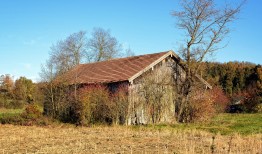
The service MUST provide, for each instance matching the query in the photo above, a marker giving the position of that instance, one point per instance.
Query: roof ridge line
(126, 57)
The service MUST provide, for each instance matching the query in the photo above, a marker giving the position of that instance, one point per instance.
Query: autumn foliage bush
(31, 112)
(97, 104)
(221, 100)
(203, 107)
(93, 105)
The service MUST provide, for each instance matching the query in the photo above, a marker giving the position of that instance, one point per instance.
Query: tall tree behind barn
(206, 25)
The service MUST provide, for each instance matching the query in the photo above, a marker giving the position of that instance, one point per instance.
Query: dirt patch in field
(117, 139)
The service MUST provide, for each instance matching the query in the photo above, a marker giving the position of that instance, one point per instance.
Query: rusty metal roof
(115, 70)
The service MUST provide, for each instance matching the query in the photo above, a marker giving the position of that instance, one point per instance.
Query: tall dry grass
(120, 139)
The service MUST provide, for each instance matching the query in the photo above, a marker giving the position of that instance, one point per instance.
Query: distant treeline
(233, 77)
(241, 83)
(16, 94)
(238, 80)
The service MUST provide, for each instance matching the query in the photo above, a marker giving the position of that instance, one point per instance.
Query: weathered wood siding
(153, 92)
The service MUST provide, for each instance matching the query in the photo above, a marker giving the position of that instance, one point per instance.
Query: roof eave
(169, 53)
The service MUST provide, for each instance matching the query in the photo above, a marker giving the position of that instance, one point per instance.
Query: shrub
(221, 101)
(31, 112)
(93, 105)
(11, 119)
(33, 116)
(202, 108)
(119, 105)
(96, 104)
(259, 108)
(251, 103)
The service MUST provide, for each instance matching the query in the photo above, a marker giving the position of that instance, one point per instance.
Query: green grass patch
(224, 124)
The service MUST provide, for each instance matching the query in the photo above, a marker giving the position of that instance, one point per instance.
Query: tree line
(15, 94)
(234, 79)
(240, 81)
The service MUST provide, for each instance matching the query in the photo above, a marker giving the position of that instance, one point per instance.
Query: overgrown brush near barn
(97, 104)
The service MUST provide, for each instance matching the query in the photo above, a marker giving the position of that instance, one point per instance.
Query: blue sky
(28, 28)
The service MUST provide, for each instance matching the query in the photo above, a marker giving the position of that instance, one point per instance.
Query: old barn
(147, 78)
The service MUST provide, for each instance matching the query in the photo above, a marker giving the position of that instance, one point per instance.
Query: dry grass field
(121, 139)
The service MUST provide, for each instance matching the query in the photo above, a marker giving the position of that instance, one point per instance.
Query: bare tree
(56, 94)
(68, 53)
(129, 52)
(64, 55)
(102, 46)
(205, 25)
(47, 76)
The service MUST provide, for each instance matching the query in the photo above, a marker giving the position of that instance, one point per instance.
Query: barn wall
(151, 96)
